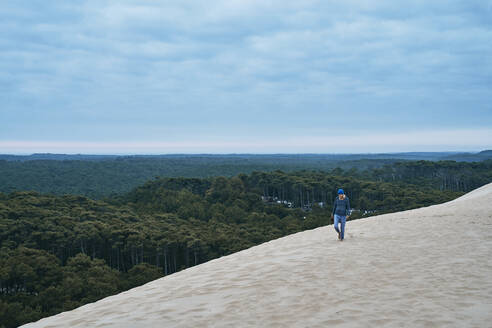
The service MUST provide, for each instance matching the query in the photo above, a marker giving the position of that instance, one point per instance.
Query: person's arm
(334, 207)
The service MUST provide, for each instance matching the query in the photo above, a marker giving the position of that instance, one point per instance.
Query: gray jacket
(341, 206)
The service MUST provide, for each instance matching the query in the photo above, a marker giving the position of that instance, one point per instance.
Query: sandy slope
(428, 267)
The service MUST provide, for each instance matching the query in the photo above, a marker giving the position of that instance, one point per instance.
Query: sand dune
(427, 267)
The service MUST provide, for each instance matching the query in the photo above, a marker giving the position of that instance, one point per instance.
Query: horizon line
(356, 142)
(245, 153)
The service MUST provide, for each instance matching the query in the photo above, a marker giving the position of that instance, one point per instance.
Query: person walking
(341, 212)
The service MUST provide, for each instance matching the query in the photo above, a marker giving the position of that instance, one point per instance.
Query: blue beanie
(340, 191)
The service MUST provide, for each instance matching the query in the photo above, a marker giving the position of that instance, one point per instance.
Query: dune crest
(430, 266)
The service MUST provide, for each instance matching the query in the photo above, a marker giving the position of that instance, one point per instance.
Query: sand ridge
(426, 267)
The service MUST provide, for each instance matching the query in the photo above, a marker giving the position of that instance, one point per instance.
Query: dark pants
(340, 219)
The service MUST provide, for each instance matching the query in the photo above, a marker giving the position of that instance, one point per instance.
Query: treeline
(103, 177)
(60, 252)
(442, 175)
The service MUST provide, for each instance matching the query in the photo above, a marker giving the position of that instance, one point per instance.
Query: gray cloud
(232, 68)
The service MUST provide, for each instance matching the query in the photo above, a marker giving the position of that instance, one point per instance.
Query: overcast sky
(245, 76)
